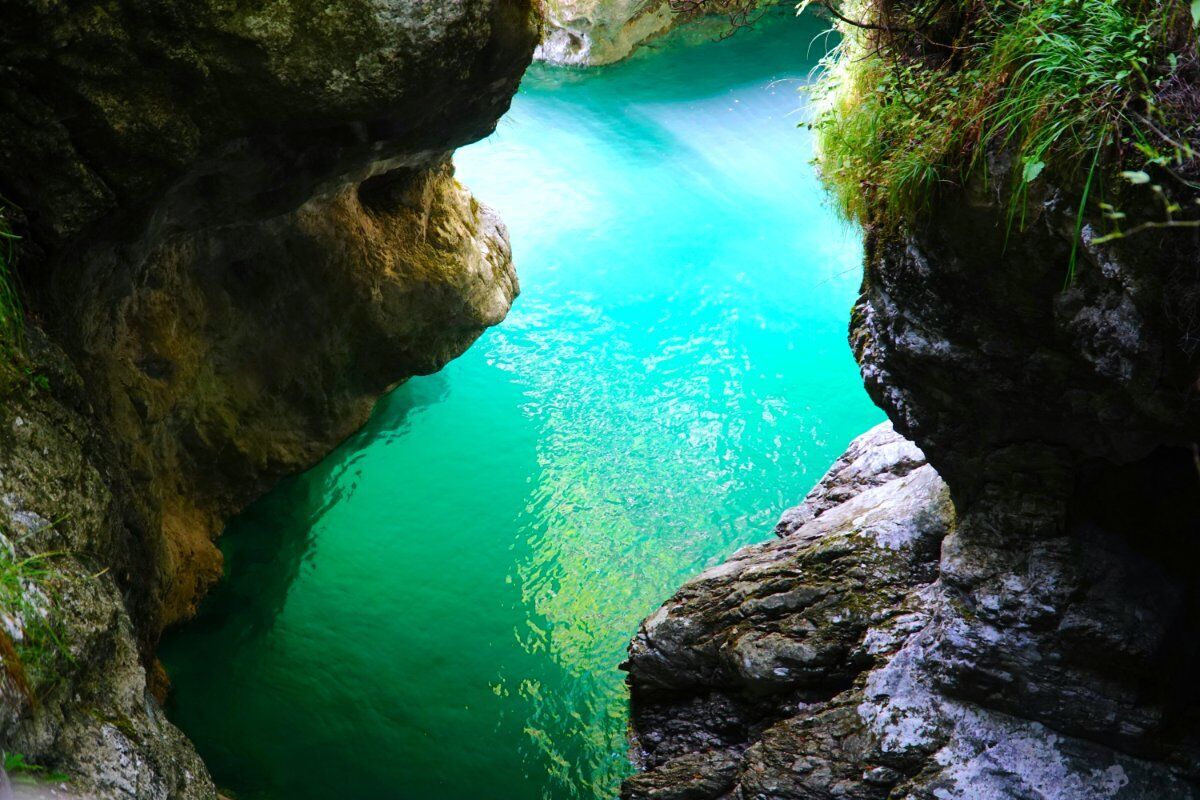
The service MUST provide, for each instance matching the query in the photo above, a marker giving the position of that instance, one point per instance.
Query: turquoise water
(438, 609)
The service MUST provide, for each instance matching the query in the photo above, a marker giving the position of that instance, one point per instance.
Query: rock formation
(1033, 638)
(596, 32)
(852, 658)
(239, 227)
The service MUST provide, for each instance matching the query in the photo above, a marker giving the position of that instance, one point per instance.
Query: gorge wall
(1010, 610)
(239, 227)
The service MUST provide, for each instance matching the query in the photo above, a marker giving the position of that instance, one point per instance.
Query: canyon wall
(240, 226)
(1011, 610)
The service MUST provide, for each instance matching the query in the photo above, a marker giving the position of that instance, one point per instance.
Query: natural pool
(438, 609)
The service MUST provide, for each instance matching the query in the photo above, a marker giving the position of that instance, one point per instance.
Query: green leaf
(1196, 12)
(1032, 170)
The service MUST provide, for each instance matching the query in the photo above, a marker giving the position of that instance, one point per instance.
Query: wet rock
(884, 648)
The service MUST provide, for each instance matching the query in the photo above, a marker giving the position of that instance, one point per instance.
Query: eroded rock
(85, 708)
(242, 223)
(597, 32)
(885, 648)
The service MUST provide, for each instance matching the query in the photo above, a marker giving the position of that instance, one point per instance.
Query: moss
(915, 103)
(119, 721)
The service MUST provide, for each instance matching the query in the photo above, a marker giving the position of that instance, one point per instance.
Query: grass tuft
(30, 643)
(12, 328)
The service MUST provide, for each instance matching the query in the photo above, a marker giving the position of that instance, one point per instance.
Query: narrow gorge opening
(439, 609)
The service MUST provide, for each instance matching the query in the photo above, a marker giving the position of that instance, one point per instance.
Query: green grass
(18, 764)
(917, 104)
(12, 328)
(30, 644)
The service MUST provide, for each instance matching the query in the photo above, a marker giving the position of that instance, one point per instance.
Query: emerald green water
(438, 609)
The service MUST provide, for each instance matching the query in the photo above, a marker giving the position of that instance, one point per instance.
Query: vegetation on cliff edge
(918, 96)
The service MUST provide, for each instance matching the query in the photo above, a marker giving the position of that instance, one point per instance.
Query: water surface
(438, 609)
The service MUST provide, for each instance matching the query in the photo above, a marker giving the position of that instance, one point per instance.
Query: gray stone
(845, 659)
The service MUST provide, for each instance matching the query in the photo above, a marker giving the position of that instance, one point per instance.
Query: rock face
(973, 343)
(82, 705)
(240, 226)
(597, 32)
(883, 648)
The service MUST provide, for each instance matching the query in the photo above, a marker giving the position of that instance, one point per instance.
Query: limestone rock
(226, 356)
(597, 32)
(849, 658)
(1043, 644)
(87, 710)
(241, 221)
(839, 661)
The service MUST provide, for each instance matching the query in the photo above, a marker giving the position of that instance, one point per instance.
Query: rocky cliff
(239, 227)
(1027, 629)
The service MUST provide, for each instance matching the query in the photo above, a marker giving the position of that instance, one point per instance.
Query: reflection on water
(438, 609)
(266, 545)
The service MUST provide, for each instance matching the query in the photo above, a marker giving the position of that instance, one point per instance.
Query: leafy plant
(30, 642)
